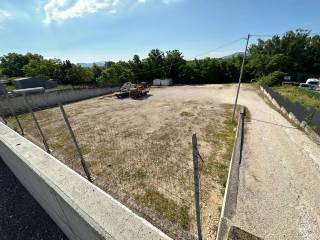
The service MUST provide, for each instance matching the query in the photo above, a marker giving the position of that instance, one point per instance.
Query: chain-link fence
(152, 172)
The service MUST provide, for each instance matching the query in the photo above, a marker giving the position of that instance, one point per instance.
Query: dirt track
(280, 173)
(279, 177)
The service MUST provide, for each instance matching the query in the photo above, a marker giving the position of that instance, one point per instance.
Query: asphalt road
(21, 217)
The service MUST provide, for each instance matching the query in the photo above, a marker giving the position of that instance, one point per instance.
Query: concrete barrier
(231, 193)
(49, 99)
(80, 209)
(303, 124)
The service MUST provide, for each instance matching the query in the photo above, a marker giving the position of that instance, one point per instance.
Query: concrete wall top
(81, 210)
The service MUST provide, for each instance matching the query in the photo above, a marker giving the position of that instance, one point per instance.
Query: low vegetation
(186, 114)
(306, 97)
(167, 207)
(271, 79)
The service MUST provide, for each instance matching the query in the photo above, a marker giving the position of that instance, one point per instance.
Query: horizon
(86, 31)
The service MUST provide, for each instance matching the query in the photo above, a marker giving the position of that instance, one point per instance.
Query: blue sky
(98, 30)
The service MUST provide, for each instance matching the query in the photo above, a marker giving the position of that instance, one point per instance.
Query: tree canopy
(296, 53)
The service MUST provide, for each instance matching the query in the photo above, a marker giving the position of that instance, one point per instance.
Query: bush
(290, 83)
(272, 78)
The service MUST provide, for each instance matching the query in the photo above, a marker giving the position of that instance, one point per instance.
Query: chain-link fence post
(196, 174)
(13, 113)
(44, 140)
(75, 142)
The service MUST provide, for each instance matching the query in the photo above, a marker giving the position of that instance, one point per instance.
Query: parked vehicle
(312, 83)
(133, 90)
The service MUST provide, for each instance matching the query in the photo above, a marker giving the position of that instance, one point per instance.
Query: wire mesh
(149, 171)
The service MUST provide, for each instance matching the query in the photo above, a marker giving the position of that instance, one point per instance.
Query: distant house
(30, 82)
(162, 82)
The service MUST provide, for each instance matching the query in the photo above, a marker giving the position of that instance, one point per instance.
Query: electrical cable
(198, 55)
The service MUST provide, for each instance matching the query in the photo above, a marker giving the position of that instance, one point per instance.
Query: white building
(162, 82)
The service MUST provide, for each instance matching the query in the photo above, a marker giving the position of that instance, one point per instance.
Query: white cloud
(60, 10)
(163, 1)
(4, 14)
(170, 1)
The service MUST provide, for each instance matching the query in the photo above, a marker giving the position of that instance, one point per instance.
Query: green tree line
(295, 53)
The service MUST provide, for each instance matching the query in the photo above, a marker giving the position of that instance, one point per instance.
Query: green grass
(306, 97)
(166, 207)
(224, 139)
(186, 114)
(136, 175)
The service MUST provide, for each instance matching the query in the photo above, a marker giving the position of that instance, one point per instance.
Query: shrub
(291, 83)
(271, 79)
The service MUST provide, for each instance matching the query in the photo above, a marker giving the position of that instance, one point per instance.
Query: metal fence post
(196, 174)
(75, 142)
(2, 116)
(44, 140)
(13, 113)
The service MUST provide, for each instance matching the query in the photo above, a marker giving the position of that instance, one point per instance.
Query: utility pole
(240, 78)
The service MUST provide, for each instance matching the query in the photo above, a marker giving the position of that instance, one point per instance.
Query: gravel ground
(21, 217)
(279, 193)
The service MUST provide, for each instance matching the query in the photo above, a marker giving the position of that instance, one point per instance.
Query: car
(312, 83)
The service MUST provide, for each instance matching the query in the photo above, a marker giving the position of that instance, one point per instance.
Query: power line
(198, 55)
(217, 48)
(222, 46)
(279, 34)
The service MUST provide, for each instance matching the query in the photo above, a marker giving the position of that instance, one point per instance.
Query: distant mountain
(101, 64)
(236, 54)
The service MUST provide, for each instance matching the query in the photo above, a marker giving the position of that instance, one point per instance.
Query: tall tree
(156, 64)
(96, 71)
(12, 64)
(117, 74)
(174, 61)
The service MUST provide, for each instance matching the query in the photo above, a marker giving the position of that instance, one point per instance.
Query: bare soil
(140, 151)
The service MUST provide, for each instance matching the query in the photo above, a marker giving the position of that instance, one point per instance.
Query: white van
(311, 83)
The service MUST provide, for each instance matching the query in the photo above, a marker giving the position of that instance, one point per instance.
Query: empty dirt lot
(140, 151)
(278, 194)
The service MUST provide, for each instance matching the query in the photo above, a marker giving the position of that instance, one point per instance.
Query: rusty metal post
(44, 140)
(196, 174)
(75, 142)
(13, 113)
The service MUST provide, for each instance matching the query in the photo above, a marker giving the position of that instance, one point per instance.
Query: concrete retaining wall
(49, 99)
(231, 192)
(80, 209)
(292, 117)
